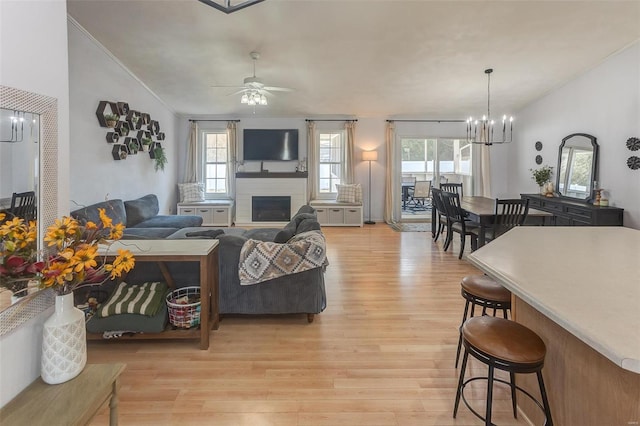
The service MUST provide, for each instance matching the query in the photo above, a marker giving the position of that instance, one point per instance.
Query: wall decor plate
(633, 144)
(538, 146)
(538, 159)
(633, 162)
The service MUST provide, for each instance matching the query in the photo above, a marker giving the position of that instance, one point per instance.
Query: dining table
(482, 211)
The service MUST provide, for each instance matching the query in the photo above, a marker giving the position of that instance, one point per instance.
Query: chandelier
(253, 97)
(486, 131)
(227, 7)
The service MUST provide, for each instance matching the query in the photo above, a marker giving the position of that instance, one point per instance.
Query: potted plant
(133, 147)
(111, 119)
(146, 144)
(542, 176)
(159, 155)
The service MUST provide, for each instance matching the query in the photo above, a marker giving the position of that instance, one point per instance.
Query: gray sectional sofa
(299, 293)
(140, 217)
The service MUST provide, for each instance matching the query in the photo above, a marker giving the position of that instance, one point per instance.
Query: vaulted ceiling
(390, 58)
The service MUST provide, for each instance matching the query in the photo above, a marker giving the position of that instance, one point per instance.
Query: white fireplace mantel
(248, 187)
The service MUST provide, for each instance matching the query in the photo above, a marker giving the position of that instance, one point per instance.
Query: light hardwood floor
(382, 353)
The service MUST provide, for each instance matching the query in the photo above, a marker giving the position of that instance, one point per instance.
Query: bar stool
(508, 346)
(482, 291)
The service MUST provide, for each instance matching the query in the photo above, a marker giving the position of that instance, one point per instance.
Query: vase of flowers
(75, 261)
(19, 264)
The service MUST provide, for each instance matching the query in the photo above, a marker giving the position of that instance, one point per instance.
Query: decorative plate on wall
(633, 144)
(538, 146)
(633, 162)
(538, 159)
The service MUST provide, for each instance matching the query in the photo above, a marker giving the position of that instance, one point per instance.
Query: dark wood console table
(569, 212)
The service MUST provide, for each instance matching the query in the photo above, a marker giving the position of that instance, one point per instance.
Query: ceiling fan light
(244, 98)
(263, 100)
(251, 102)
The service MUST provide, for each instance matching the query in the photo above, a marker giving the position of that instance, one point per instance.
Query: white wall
(603, 102)
(42, 26)
(95, 175)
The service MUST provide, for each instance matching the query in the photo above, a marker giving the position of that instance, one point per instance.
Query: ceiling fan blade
(278, 89)
(227, 87)
(238, 92)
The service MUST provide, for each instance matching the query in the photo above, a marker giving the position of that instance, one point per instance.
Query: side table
(70, 403)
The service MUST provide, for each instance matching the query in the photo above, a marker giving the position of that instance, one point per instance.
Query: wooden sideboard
(569, 212)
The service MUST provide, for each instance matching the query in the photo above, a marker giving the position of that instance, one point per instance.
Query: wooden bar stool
(482, 291)
(508, 346)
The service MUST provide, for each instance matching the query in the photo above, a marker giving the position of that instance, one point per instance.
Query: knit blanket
(144, 299)
(262, 261)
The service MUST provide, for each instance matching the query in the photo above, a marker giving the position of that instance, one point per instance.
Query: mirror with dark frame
(577, 166)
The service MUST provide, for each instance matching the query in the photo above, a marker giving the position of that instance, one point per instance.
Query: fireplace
(270, 209)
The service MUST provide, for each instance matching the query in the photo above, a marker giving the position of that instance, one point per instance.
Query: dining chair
(452, 187)
(440, 211)
(509, 213)
(408, 186)
(23, 205)
(421, 194)
(456, 222)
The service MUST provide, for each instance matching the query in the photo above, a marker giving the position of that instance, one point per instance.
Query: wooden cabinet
(331, 213)
(569, 212)
(213, 213)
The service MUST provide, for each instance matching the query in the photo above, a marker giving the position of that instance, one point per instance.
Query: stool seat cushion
(505, 340)
(486, 288)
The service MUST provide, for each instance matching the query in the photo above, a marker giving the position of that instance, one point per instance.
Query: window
(215, 163)
(331, 157)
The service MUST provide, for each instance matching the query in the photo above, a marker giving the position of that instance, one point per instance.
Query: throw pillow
(283, 236)
(191, 192)
(346, 193)
(358, 193)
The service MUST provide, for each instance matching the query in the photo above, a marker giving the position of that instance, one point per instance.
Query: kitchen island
(579, 289)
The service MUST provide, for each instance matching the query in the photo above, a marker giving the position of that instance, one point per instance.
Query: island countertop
(585, 279)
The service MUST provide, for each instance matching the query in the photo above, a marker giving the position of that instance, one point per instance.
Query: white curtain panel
(312, 160)
(390, 193)
(349, 160)
(190, 169)
(232, 140)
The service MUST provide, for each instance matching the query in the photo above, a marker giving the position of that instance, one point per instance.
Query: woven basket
(184, 315)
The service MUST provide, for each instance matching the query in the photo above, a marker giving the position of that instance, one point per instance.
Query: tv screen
(270, 144)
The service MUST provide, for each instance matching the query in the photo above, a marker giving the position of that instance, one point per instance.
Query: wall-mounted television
(270, 145)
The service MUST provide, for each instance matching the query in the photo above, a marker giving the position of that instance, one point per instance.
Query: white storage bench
(333, 213)
(213, 212)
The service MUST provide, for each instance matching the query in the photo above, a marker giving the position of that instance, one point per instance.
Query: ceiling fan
(254, 90)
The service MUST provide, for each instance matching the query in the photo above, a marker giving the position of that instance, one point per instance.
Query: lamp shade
(369, 155)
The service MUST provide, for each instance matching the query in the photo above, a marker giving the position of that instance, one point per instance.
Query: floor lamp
(369, 156)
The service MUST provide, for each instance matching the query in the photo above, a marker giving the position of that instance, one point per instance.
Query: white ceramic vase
(64, 342)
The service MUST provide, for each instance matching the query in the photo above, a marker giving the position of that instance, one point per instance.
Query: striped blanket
(144, 299)
(262, 261)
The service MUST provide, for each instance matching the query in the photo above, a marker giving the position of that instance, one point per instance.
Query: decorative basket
(184, 307)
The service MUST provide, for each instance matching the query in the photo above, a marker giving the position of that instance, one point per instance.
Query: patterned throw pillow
(351, 193)
(191, 192)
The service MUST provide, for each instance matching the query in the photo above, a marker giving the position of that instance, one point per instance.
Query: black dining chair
(440, 211)
(23, 205)
(509, 213)
(452, 187)
(456, 222)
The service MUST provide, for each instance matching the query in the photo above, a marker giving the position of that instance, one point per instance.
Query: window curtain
(312, 161)
(483, 177)
(349, 160)
(191, 166)
(390, 215)
(232, 132)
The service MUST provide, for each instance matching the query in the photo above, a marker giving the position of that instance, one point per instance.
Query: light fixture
(253, 98)
(485, 131)
(227, 7)
(369, 156)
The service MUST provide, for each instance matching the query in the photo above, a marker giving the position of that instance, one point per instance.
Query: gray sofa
(140, 217)
(303, 292)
